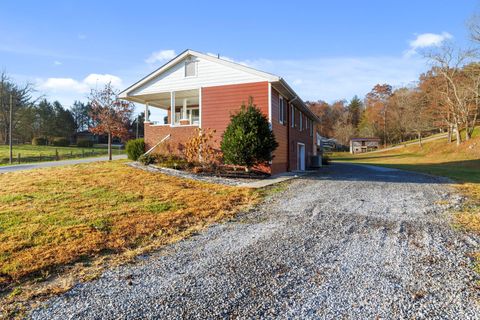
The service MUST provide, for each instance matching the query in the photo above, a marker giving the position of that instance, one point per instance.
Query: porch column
(172, 108)
(147, 117)
(184, 109)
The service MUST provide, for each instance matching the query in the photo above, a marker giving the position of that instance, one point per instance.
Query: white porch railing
(161, 141)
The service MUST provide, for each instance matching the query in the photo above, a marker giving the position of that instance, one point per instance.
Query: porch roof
(162, 99)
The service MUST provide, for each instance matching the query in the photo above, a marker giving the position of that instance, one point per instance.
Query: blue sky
(325, 49)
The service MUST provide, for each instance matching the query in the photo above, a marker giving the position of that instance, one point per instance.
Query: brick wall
(219, 102)
(280, 160)
(179, 135)
(296, 136)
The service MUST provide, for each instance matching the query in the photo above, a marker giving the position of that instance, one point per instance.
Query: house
(360, 145)
(202, 91)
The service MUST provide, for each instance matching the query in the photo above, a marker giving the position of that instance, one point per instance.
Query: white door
(301, 157)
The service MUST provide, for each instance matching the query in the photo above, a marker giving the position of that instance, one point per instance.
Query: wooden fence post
(56, 154)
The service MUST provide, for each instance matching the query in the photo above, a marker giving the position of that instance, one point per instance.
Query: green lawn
(29, 153)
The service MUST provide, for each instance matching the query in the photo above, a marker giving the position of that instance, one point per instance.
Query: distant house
(360, 145)
(202, 91)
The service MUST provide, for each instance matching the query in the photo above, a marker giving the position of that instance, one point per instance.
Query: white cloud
(160, 56)
(62, 84)
(57, 63)
(67, 90)
(93, 80)
(426, 40)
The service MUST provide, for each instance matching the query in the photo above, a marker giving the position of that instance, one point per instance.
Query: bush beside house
(248, 140)
(135, 148)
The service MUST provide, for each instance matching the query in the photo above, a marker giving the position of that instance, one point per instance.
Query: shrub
(173, 162)
(248, 139)
(146, 159)
(39, 141)
(60, 142)
(84, 143)
(135, 148)
(198, 148)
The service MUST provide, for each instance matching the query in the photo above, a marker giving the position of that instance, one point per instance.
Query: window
(281, 110)
(301, 121)
(190, 68)
(193, 115)
(293, 116)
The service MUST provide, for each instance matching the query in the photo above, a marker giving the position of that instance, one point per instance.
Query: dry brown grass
(469, 217)
(85, 214)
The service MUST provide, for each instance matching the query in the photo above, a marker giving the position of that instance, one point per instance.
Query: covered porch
(183, 107)
(183, 117)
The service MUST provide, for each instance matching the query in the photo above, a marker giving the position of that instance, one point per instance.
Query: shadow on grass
(379, 156)
(467, 171)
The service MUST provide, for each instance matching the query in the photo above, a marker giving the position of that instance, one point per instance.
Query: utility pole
(10, 130)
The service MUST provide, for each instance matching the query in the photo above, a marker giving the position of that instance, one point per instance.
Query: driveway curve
(347, 243)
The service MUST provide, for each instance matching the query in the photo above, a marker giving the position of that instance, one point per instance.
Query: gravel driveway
(348, 243)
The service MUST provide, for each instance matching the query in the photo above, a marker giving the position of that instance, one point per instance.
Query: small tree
(110, 114)
(248, 139)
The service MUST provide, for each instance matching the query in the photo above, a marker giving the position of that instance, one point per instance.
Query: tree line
(40, 118)
(446, 98)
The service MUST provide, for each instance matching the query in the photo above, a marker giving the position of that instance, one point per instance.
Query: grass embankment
(66, 218)
(29, 153)
(461, 164)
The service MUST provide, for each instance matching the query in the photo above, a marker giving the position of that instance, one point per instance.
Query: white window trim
(200, 107)
(292, 116)
(270, 105)
(281, 110)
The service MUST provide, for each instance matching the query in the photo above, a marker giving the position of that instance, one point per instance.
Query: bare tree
(456, 89)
